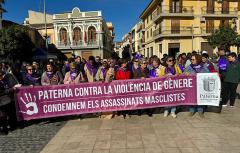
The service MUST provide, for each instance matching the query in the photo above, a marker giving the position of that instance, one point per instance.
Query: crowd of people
(76, 70)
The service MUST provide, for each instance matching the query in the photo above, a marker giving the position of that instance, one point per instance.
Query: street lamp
(99, 44)
(45, 20)
(192, 32)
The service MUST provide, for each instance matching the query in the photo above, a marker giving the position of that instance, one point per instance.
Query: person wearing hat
(73, 76)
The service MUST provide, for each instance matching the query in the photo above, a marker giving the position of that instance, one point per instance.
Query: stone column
(70, 30)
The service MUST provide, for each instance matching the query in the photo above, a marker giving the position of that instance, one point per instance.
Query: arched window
(91, 34)
(77, 35)
(63, 36)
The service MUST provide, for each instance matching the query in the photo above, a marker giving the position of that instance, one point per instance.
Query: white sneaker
(173, 115)
(165, 113)
(232, 106)
(224, 105)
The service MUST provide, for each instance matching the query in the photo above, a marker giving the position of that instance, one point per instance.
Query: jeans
(194, 108)
(172, 109)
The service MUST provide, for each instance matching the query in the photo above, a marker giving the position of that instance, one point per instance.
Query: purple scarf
(152, 73)
(92, 69)
(73, 74)
(104, 72)
(31, 78)
(181, 67)
(197, 68)
(222, 63)
(50, 75)
(170, 70)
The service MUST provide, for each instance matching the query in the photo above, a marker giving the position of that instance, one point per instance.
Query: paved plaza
(216, 133)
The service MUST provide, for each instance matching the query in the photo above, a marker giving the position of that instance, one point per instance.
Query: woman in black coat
(8, 83)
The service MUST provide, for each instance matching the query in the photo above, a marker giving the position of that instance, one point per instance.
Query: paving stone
(118, 144)
(135, 150)
(33, 137)
(189, 150)
(102, 145)
(101, 151)
(114, 150)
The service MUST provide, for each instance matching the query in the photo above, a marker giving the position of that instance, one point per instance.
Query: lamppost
(192, 33)
(45, 21)
(99, 40)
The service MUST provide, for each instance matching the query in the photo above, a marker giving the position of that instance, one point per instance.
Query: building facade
(136, 38)
(83, 33)
(36, 20)
(173, 26)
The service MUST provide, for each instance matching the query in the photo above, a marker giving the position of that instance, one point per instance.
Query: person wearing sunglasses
(196, 66)
(170, 70)
(30, 78)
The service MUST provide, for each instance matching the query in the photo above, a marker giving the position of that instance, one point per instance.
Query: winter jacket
(68, 79)
(31, 80)
(190, 70)
(232, 74)
(55, 80)
(123, 74)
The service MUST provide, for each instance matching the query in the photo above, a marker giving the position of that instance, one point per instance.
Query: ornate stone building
(83, 33)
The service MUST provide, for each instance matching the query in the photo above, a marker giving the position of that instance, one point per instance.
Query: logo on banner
(209, 84)
(30, 104)
(208, 89)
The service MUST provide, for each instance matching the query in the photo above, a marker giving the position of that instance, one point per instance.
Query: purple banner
(62, 100)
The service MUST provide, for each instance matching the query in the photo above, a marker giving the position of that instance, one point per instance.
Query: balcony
(77, 45)
(170, 11)
(219, 12)
(172, 32)
(208, 31)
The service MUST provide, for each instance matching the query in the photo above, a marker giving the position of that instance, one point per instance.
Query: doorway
(173, 49)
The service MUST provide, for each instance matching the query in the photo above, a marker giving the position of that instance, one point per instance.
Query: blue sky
(124, 14)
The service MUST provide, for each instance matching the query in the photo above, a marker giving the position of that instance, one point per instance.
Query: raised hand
(30, 104)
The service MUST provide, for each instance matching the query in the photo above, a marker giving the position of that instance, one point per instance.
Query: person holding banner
(196, 66)
(73, 76)
(51, 76)
(8, 83)
(156, 64)
(108, 77)
(123, 74)
(169, 70)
